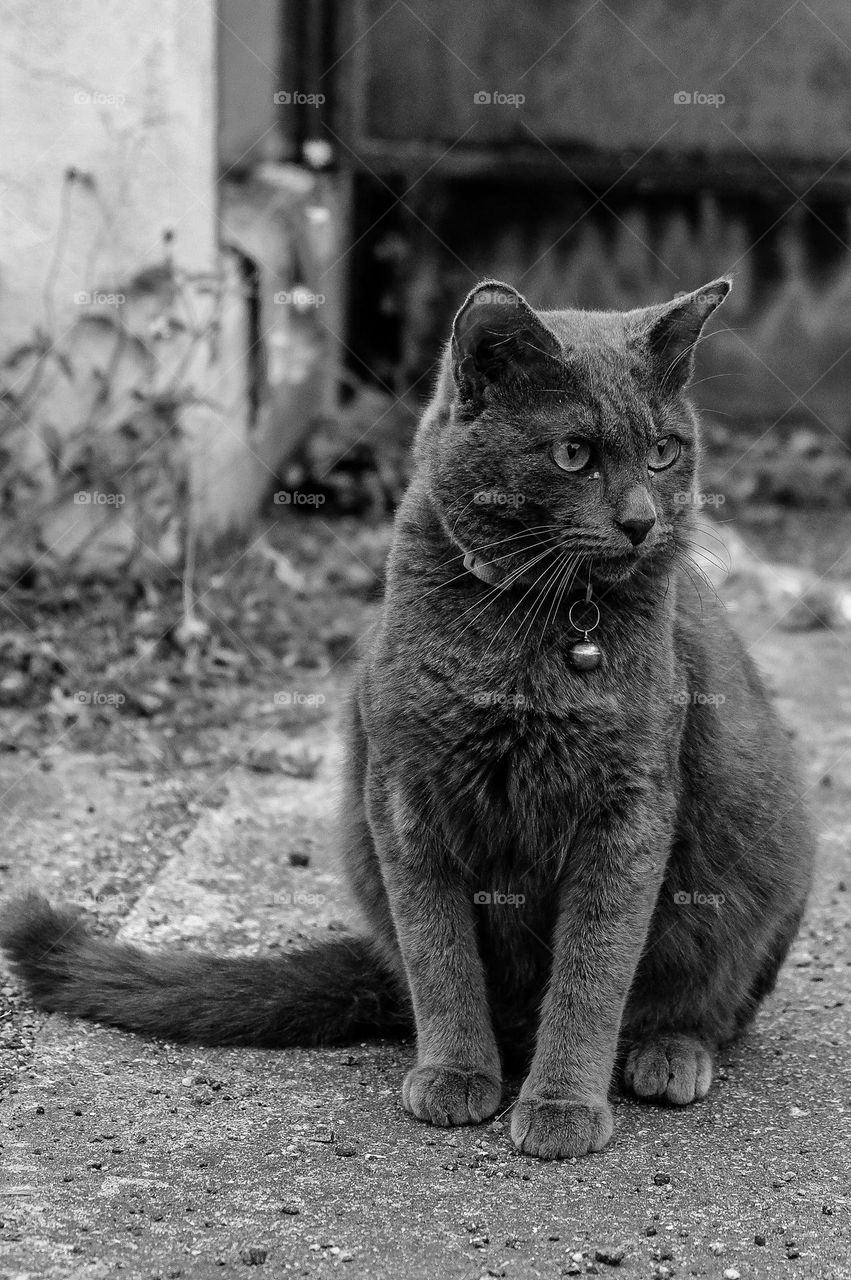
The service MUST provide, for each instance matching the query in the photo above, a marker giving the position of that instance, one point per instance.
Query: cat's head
(568, 427)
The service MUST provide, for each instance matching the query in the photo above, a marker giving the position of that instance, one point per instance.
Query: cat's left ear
(496, 335)
(672, 330)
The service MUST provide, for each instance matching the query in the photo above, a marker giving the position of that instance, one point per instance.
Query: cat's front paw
(557, 1130)
(669, 1068)
(446, 1096)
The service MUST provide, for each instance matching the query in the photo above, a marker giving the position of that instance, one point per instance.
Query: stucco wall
(123, 90)
(122, 95)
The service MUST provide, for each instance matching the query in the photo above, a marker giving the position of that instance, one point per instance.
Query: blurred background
(233, 238)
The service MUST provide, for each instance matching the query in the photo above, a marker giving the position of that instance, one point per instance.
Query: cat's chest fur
(512, 744)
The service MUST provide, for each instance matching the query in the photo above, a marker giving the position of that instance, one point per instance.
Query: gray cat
(572, 821)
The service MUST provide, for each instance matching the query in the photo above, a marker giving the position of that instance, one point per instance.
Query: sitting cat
(572, 821)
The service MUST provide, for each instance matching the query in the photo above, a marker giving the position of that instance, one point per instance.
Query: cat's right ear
(497, 335)
(674, 329)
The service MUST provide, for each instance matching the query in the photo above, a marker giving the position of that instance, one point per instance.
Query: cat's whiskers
(706, 531)
(578, 563)
(511, 614)
(471, 495)
(691, 567)
(557, 570)
(710, 377)
(557, 593)
(526, 531)
(692, 535)
(497, 590)
(501, 587)
(568, 576)
(687, 567)
(719, 555)
(712, 556)
(475, 551)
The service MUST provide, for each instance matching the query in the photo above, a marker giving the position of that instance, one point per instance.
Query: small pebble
(759, 1239)
(732, 1274)
(661, 1179)
(611, 1256)
(254, 1257)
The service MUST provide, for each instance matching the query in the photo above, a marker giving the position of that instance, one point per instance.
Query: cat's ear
(496, 335)
(671, 332)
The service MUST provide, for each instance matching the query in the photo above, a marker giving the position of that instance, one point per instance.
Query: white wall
(123, 90)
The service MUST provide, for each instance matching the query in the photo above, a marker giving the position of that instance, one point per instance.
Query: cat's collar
(584, 654)
(485, 572)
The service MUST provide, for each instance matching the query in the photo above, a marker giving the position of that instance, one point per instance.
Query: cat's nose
(637, 528)
(635, 514)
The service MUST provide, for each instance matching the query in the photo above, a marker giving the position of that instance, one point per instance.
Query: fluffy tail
(328, 993)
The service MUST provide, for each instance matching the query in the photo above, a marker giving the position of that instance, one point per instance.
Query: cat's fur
(519, 834)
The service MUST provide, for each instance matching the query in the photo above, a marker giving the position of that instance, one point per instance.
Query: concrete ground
(126, 1158)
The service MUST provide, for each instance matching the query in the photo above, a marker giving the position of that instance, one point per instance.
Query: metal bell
(585, 655)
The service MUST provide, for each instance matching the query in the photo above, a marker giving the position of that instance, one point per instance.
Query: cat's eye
(572, 455)
(663, 453)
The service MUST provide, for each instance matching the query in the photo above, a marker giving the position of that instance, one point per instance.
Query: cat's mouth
(616, 565)
(610, 569)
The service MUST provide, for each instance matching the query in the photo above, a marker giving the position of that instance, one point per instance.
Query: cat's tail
(333, 991)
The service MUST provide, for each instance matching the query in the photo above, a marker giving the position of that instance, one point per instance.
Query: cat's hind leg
(669, 1067)
(694, 992)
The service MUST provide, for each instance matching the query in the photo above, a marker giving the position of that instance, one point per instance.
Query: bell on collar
(585, 655)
